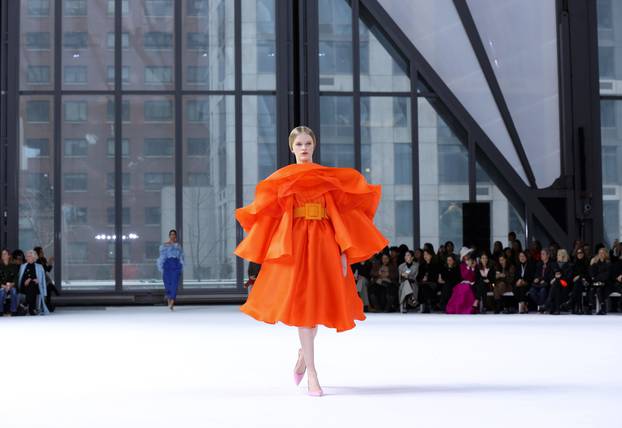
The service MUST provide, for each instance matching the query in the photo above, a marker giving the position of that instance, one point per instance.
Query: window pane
(443, 177)
(208, 44)
(258, 44)
(86, 229)
(36, 59)
(337, 131)
(609, 46)
(259, 139)
(36, 179)
(85, 53)
(209, 193)
(148, 182)
(611, 140)
(150, 55)
(335, 45)
(387, 160)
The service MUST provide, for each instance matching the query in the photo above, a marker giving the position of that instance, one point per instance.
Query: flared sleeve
(268, 224)
(351, 209)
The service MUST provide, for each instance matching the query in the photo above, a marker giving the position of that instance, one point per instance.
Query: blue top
(168, 251)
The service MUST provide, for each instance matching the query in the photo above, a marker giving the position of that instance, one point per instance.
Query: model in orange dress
(307, 223)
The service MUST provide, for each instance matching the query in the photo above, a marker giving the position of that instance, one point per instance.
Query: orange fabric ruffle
(301, 282)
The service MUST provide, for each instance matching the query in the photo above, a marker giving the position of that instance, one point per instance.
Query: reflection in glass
(335, 45)
(443, 177)
(337, 131)
(208, 44)
(258, 44)
(611, 139)
(148, 187)
(209, 191)
(36, 45)
(87, 203)
(36, 178)
(386, 149)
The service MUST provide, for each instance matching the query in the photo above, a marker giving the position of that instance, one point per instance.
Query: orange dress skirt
(301, 280)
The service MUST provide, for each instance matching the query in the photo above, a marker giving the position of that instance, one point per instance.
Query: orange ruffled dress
(301, 281)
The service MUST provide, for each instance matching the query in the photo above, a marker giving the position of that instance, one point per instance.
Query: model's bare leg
(307, 337)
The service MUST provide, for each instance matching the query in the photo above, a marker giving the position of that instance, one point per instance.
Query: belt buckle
(313, 211)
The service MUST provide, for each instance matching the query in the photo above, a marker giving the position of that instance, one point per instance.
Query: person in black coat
(427, 278)
(545, 272)
(601, 275)
(525, 271)
(580, 282)
(485, 275)
(448, 278)
(560, 283)
(615, 286)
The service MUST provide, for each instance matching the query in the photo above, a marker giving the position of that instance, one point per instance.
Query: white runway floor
(213, 366)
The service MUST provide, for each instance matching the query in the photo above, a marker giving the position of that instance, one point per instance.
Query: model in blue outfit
(171, 264)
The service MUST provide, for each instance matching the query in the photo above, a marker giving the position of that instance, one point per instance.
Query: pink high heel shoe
(298, 376)
(317, 393)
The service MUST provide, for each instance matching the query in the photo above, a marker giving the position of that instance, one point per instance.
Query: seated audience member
(601, 273)
(418, 255)
(535, 250)
(384, 287)
(580, 281)
(497, 250)
(18, 257)
(511, 238)
(362, 276)
(525, 271)
(517, 247)
(450, 249)
(462, 300)
(615, 285)
(47, 264)
(427, 278)
(504, 279)
(252, 272)
(450, 276)
(485, 278)
(545, 272)
(408, 290)
(8, 279)
(561, 280)
(31, 282)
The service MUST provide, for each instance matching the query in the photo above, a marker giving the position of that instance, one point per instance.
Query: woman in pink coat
(462, 297)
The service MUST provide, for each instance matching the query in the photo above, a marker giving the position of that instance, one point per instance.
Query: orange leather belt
(311, 211)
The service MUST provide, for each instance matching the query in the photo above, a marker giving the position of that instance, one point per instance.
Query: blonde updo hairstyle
(301, 130)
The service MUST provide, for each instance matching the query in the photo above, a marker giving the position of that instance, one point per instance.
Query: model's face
(172, 236)
(302, 148)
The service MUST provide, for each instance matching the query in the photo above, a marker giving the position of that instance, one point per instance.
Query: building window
(110, 214)
(159, 147)
(402, 166)
(125, 147)
(152, 250)
(197, 179)
(38, 111)
(265, 160)
(125, 114)
(606, 63)
(197, 7)
(125, 74)
(197, 111)
(265, 56)
(198, 147)
(76, 40)
(158, 7)
(400, 112)
(125, 7)
(158, 40)
(38, 182)
(76, 147)
(157, 75)
(404, 218)
(452, 166)
(158, 111)
(610, 164)
(197, 41)
(38, 7)
(125, 40)
(39, 40)
(197, 74)
(75, 74)
(608, 114)
(37, 147)
(75, 8)
(75, 182)
(77, 252)
(75, 111)
(125, 181)
(75, 215)
(153, 216)
(38, 74)
(158, 180)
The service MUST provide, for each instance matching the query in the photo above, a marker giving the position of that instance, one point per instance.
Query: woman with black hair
(427, 278)
(525, 270)
(171, 264)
